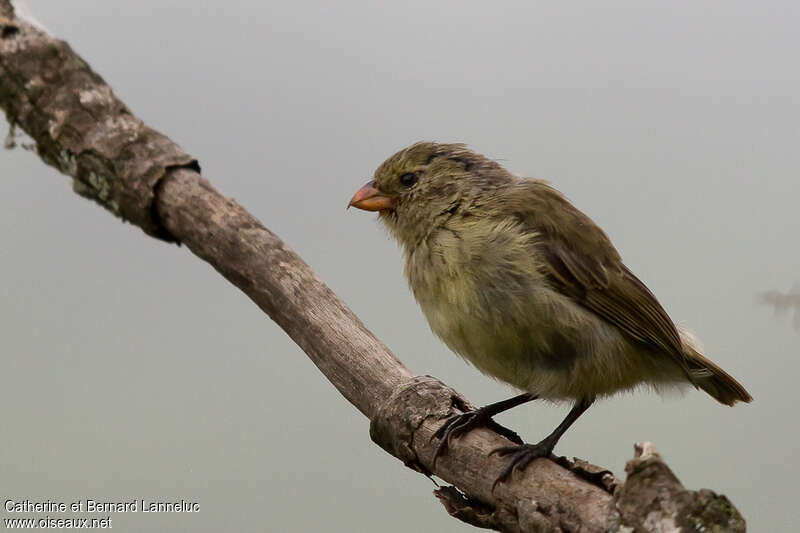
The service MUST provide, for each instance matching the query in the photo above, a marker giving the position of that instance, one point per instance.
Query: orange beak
(369, 198)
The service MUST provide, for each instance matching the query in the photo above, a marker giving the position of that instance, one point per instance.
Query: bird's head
(421, 186)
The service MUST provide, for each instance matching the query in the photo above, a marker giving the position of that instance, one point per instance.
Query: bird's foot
(457, 425)
(520, 456)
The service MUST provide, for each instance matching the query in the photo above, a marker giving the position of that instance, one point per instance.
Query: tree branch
(83, 130)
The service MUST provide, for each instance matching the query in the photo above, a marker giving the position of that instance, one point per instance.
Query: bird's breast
(483, 294)
(477, 285)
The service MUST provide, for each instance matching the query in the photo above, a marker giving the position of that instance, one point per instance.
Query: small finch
(515, 279)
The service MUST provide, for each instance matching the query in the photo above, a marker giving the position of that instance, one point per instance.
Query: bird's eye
(408, 179)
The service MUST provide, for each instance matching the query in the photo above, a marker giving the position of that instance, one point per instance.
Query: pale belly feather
(517, 329)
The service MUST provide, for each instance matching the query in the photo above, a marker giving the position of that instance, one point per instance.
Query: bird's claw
(521, 456)
(457, 425)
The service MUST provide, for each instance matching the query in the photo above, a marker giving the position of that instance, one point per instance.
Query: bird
(526, 287)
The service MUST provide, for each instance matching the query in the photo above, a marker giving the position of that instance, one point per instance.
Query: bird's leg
(457, 425)
(523, 454)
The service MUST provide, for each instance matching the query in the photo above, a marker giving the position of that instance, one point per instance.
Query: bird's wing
(581, 263)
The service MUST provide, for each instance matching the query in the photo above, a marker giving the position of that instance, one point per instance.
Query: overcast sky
(132, 370)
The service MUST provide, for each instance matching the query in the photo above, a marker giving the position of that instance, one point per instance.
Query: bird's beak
(369, 198)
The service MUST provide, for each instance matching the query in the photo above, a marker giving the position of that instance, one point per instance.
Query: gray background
(130, 369)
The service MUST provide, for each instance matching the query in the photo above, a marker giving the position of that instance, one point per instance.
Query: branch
(84, 131)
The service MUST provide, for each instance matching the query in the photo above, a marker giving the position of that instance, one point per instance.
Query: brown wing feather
(582, 263)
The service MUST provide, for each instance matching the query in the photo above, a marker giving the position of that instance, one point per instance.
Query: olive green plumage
(515, 279)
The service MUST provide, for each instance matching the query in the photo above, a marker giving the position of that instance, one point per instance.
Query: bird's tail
(712, 379)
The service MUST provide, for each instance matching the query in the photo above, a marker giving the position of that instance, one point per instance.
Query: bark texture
(83, 130)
